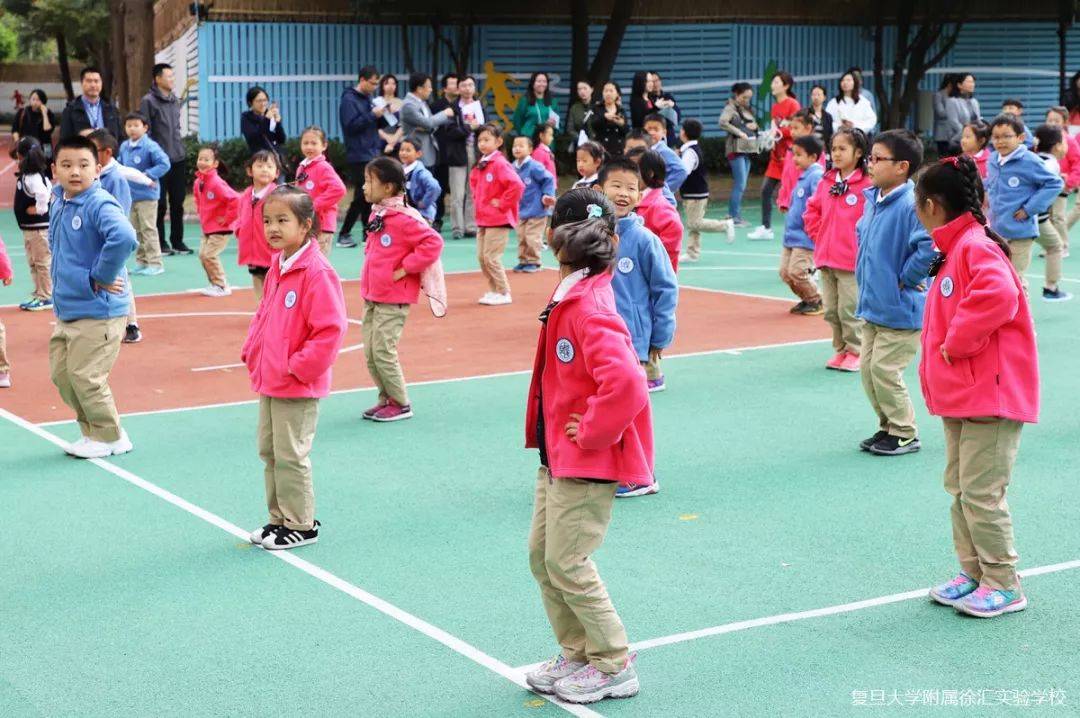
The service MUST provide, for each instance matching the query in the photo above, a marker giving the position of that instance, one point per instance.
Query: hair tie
(954, 161)
(595, 211)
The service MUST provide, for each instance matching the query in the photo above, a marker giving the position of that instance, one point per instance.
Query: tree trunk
(579, 43)
(406, 48)
(608, 51)
(132, 51)
(65, 68)
(436, 30)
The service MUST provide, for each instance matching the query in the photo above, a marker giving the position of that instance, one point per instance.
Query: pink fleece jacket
(319, 179)
(252, 247)
(789, 178)
(546, 157)
(662, 220)
(215, 201)
(585, 364)
(1070, 165)
(495, 182)
(5, 264)
(403, 242)
(830, 220)
(976, 309)
(298, 329)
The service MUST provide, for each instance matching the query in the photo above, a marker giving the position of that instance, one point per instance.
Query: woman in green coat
(536, 107)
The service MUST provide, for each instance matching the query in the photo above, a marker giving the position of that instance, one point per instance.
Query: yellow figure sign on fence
(502, 99)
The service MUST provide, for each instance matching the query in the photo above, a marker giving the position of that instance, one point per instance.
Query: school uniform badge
(137, 159)
(385, 240)
(564, 350)
(801, 192)
(309, 185)
(851, 200)
(490, 177)
(290, 299)
(626, 265)
(76, 223)
(1014, 182)
(947, 287)
(210, 195)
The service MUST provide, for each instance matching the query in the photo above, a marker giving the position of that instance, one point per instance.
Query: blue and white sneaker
(140, 270)
(542, 680)
(1055, 295)
(531, 268)
(154, 271)
(986, 602)
(36, 305)
(519, 267)
(626, 491)
(953, 592)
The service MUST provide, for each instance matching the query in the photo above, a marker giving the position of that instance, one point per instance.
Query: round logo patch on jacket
(801, 192)
(76, 223)
(528, 180)
(946, 287)
(490, 177)
(309, 185)
(290, 299)
(626, 265)
(852, 200)
(210, 195)
(385, 240)
(564, 350)
(1014, 182)
(137, 159)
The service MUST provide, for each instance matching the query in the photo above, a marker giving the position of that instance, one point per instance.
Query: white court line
(418, 624)
(703, 268)
(813, 613)
(733, 351)
(737, 294)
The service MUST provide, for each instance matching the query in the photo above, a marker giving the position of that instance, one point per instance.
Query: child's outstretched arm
(119, 243)
(621, 391)
(324, 309)
(921, 256)
(663, 294)
(134, 175)
(991, 301)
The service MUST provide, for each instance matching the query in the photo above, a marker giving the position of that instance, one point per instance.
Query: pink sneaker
(850, 363)
(836, 361)
(393, 411)
(370, 413)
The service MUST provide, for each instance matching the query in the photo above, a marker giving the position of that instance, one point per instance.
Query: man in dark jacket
(162, 108)
(90, 110)
(441, 170)
(359, 123)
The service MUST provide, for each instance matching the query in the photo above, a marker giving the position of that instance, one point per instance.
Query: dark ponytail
(954, 183)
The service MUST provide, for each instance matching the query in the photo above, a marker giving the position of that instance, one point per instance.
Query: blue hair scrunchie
(595, 211)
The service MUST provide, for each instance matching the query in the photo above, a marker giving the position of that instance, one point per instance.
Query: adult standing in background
(261, 123)
(641, 103)
(961, 108)
(419, 122)
(608, 124)
(941, 113)
(34, 120)
(579, 114)
(666, 107)
(447, 98)
(738, 121)
(536, 107)
(823, 125)
(390, 122)
(161, 107)
(462, 157)
(784, 106)
(851, 108)
(359, 117)
(1071, 99)
(90, 111)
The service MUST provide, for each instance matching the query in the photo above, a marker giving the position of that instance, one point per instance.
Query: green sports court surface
(779, 572)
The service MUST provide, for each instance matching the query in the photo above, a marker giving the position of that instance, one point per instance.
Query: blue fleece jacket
(113, 183)
(1024, 182)
(646, 291)
(538, 183)
(676, 173)
(894, 257)
(151, 160)
(669, 195)
(359, 125)
(91, 239)
(423, 191)
(794, 232)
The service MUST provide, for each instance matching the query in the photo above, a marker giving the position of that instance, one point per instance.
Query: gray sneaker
(589, 685)
(542, 680)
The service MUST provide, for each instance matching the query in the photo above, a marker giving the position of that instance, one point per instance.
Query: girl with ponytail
(979, 372)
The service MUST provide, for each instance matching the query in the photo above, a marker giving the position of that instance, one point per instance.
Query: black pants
(173, 190)
(359, 206)
(442, 176)
(767, 188)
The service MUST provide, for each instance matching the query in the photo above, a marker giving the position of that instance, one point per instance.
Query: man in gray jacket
(417, 120)
(162, 108)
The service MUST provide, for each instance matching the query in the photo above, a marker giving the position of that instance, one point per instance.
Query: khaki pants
(1020, 254)
(795, 266)
(382, 328)
(1050, 241)
(1058, 212)
(210, 248)
(5, 367)
(1074, 214)
(462, 214)
(286, 433)
(840, 297)
(144, 219)
(652, 366)
(696, 224)
(490, 243)
(530, 234)
(885, 354)
(81, 355)
(979, 457)
(39, 257)
(570, 518)
(326, 242)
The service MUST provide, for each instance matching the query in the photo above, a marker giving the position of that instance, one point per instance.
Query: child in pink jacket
(216, 203)
(801, 125)
(660, 217)
(542, 153)
(400, 246)
(317, 177)
(253, 251)
(588, 415)
(497, 191)
(830, 218)
(980, 372)
(6, 277)
(292, 344)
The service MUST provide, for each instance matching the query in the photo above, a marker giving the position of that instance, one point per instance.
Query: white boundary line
(418, 624)
(812, 613)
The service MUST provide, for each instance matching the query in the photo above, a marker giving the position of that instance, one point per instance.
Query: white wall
(183, 55)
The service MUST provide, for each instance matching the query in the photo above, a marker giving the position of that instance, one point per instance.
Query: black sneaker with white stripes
(284, 537)
(259, 535)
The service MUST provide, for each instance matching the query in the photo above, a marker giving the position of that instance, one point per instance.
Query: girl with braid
(979, 372)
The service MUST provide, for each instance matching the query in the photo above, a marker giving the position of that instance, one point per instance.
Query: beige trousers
(382, 329)
(326, 242)
(886, 353)
(530, 233)
(840, 298)
(696, 224)
(5, 366)
(490, 244)
(144, 219)
(652, 366)
(795, 266)
(210, 248)
(39, 257)
(81, 355)
(462, 214)
(286, 433)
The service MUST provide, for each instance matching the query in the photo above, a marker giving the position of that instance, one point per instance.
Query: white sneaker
(87, 448)
(543, 679)
(5, 380)
(215, 291)
(122, 445)
(729, 230)
(488, 298)
(762, 232)
(499, 299)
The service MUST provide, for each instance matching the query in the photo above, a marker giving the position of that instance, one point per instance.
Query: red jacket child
(546, 157)
(403, 241)
(977, 310)
(981, 157)
(662, 220)
(252, 247)
(1070, 164)
(298, 329)
(6, 272)
(494, 178)
(215, 201)
(585, 364)
(830, 218)
(318, 178)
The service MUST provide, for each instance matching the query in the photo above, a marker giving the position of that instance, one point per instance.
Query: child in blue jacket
(891, 271)
(797, 257)
(90, 239)
(145, 155)
(1019, 187)
(535, 206)
(421, 187)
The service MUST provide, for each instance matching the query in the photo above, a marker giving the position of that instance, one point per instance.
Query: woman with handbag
(738, 121)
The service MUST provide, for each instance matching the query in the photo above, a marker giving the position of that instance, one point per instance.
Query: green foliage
(83, 23)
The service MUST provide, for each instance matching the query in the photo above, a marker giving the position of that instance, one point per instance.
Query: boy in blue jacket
(1019, 187)
(145, 155)
(90, 239)
(891, 271)
(535, 206)
(797, 257)
(421, 187)
(655, 127)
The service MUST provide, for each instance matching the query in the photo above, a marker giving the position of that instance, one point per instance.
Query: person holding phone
(261, 124)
